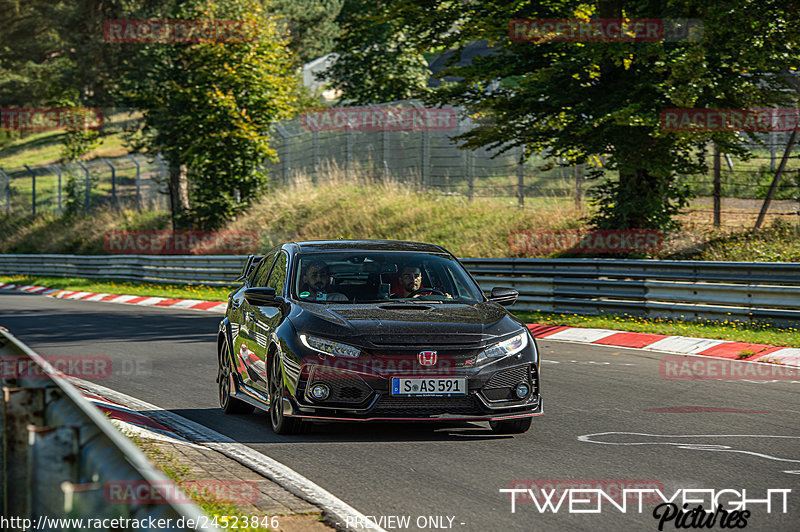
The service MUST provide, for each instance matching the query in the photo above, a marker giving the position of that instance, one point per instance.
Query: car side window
(261, 275)
(277, 279)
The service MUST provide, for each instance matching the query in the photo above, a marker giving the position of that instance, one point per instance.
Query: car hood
(407, 323)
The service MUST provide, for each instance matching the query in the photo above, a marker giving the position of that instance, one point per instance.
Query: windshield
(370, 277)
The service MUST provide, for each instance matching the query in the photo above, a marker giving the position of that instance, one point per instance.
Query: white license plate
(430, 386)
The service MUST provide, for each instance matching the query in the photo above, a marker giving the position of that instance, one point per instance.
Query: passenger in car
(316, 283)
(411, 281)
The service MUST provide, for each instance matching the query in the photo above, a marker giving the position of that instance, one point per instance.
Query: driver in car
(316, 283)
(411, 282)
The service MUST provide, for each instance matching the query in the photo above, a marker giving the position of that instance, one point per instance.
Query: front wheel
(511, 426)
(280, 423)
(228, 403)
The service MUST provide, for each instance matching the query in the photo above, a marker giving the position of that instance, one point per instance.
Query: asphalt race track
(610, 419)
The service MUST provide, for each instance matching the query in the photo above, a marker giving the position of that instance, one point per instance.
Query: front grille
(508, 378)
(346, 387)
(500, 394)
(427, 341)
(422, 406)
(502, 385)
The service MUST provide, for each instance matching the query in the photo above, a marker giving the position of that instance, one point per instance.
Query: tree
(207, 108)
(579, 99)
(312, 25)
(31, 51)
(377, 60)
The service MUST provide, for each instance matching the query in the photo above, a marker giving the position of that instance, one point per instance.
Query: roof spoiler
(249, 266)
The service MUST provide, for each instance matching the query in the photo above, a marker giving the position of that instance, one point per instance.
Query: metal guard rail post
(60, 452)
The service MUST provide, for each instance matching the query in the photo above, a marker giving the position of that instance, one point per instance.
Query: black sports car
(373, 330)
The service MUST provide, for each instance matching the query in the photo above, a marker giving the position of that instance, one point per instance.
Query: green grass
(106, 286)
(778, 242)
(50, 233)
(179, 474)
(45, 147)
(726, 330)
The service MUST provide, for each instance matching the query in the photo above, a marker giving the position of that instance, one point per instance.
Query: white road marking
(78, 295)
(581, 335)
(151, 301)
(683, 344)
(695, 446)
(289, 479)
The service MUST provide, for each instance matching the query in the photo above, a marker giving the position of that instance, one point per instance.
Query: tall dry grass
(354, 205)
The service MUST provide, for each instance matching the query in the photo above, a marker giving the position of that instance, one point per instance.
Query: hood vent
(407, 306)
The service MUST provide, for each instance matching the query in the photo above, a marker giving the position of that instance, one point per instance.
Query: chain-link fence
(429, 159)
(425, 156)
(413, 153)
(129, 182)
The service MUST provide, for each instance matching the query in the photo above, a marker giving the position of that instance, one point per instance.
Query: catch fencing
(60, 452)
(130, 182)
(426, 158)
(741, 291)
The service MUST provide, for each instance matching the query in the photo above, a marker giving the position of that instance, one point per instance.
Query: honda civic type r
(373, 330)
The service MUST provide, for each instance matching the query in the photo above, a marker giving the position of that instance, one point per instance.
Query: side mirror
(262, 296)
(504, 296)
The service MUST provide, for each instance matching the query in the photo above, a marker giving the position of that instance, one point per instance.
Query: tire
(512, 426)
(229, 404)
(279, 422)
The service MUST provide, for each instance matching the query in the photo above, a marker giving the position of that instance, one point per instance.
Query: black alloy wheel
(281, 424)
(229, 404)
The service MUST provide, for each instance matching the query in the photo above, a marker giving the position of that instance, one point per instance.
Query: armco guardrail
(60, 453)
(206, 269)
(711, 290)
(742, 291)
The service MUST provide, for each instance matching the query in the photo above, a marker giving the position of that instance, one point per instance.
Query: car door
(264, 320)
(248, 344)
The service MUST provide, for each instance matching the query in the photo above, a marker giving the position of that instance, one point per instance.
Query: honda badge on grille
(427, 358)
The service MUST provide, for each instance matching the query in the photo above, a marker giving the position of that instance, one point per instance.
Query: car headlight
(329, 347)
(505, 348)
